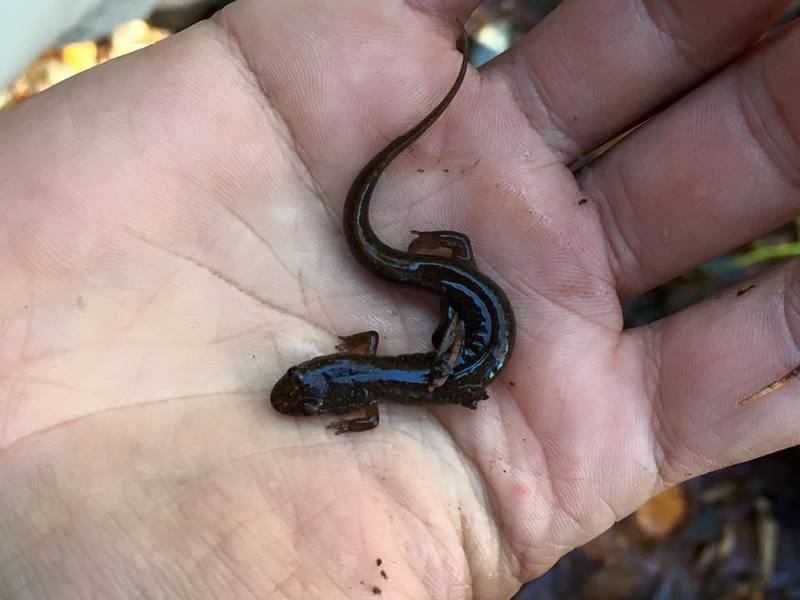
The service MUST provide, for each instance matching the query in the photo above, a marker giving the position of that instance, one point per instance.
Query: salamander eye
(294, 374)
(312, 406)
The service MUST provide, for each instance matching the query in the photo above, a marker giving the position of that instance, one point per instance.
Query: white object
(28, 27)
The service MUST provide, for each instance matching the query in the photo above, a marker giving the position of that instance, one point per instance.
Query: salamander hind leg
(447, 352)
(472, 401)
(428, 242)
(365, 343)
(447, 313)
(365, 423)
(448, 338)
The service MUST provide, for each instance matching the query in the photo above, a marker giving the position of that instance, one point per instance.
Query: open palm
(171, 243)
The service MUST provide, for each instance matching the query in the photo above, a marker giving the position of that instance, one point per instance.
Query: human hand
(172, 242)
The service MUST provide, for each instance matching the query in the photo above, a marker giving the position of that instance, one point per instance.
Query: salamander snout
(298, 393)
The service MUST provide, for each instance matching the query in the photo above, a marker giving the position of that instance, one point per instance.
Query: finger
(709, 360)
(716, 170)
(591, 69)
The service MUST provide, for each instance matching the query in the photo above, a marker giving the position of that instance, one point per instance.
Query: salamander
(471, 346)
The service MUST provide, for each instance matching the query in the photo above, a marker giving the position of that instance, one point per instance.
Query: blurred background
(734, 534)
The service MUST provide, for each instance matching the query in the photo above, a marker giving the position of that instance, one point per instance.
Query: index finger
(592, 69)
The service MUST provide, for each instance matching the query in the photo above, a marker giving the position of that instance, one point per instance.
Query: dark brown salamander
(472, 345)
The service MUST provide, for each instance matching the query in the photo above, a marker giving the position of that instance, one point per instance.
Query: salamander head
(300, 392)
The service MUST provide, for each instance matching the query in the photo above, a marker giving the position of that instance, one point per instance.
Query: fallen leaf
(659, 516)
(79, 56)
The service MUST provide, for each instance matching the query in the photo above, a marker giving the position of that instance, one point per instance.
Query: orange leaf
(659, 516)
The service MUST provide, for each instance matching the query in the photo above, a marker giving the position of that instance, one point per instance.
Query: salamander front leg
(369, 421)
(365, 343)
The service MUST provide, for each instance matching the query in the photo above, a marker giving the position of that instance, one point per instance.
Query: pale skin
(171, 243)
